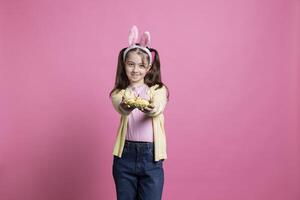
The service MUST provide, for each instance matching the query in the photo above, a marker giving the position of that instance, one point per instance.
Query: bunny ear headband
(144, 42)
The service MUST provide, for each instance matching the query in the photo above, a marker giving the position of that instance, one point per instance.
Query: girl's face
(136, 69)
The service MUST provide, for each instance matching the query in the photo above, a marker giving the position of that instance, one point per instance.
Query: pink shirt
(139, 124)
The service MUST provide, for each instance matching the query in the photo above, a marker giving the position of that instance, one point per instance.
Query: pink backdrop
(232, 122)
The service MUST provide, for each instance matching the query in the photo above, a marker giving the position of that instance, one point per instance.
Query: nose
(135, 69)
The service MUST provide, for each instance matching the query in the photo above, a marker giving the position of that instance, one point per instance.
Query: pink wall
(232, 122)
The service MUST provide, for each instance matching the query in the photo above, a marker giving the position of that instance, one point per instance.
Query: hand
(126, 106)
(147, 109)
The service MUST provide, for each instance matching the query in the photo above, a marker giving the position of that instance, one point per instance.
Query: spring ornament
(144, 43)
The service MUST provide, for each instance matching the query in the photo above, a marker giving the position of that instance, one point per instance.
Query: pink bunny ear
(145, 39)
(133, 35)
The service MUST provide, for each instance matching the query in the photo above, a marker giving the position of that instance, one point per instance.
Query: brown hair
(153, 76)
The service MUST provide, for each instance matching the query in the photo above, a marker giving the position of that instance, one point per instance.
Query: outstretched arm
(117, 98)
(158, 103)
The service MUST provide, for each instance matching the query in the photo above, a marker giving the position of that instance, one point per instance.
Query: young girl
(140, 146)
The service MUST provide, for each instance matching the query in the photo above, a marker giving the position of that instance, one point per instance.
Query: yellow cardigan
(159, 99)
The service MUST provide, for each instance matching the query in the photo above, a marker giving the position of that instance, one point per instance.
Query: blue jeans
(137, 176)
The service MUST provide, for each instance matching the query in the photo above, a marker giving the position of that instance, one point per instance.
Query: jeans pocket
(126, 148)
(150, 151)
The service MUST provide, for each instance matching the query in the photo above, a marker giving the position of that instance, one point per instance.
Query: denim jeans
(137, 176)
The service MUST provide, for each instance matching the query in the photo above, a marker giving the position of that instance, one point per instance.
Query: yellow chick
(137, 102)
(142, 103)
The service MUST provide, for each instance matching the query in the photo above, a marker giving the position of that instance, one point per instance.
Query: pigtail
(121, 80)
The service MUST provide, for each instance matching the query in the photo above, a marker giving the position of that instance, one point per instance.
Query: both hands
(146, 109)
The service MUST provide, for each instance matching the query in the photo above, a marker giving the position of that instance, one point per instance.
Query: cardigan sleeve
(159, 101)
(116, 98)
